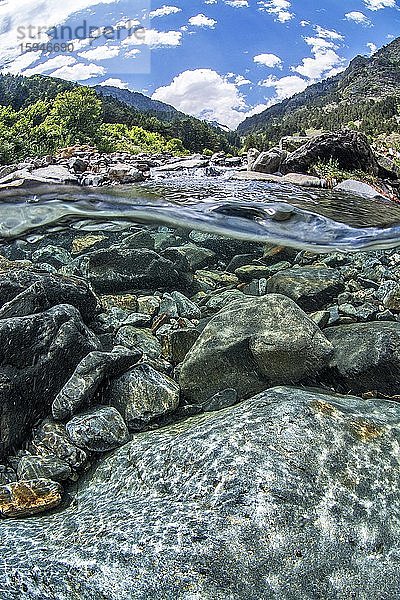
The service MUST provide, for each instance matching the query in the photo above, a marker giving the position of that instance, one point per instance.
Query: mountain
(140, 102)
(366, 96)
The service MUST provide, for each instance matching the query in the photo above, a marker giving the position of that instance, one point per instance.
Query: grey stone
(136, 338)
(121, 269)
(176, 343)
(50, 440)
(250, 345)
(290, 495)
(223, 399)
(366, 357)
(311, 288)
(142, 394)
(358, 188)
(87, 378)
(55, 174)
(350, 149)
(196, 256)
(43, 467)
(186, 308)
(38, 354)
(98, 429)
(270, 161)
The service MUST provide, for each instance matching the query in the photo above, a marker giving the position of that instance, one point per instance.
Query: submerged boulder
(292, 494)
(38, 354)
(252, 344)
(366, 357)
(311, 288)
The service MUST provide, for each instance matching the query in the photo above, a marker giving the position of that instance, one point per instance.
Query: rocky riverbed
(191, 416)
(197, 417)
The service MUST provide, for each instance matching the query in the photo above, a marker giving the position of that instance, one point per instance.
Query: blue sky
(218, 59)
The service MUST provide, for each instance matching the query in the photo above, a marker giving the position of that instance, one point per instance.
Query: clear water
(309, 219)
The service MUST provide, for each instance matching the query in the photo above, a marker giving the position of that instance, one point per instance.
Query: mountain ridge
(365, 81)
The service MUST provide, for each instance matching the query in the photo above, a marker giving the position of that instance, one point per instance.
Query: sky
(221, 60)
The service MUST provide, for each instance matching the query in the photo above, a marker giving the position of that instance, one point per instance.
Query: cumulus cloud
(201, 20)
(238, 3)
(379, 4)
(280, 9)
(268, 60)
(79, 72)
(101, 53)
(155, 39)
(206, 94)
(164, 11)
(58, 62)
(114, 82)
(358, 17)
(325, 60)
(372, 48)
(25, 13)
(285, 87)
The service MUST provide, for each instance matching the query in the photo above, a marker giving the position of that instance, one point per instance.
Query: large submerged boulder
(292, 494)
(38, 354)
(251, 344)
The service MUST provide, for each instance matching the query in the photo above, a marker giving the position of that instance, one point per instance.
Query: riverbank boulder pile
(292, 162)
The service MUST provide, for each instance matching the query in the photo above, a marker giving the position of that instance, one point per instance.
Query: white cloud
(205, 94)
(372, 48)
(279, 8)
(237, 3)
(24, 13)
(268, 60)
(59, 61)
(305, 23)
(325, 61)
(359, 18)
(164, 11)
(240, 80)
(101, 53)
(132, 53)
(285, 87)
(79, 72)
(379, 4)
(329, 34)
(156, 39)
(115, 83)
(201, 20)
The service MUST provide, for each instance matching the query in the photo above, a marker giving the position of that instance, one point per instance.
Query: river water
(308, 219)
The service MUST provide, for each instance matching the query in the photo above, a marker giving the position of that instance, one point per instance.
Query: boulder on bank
(252, 344)
(292, 494)
(350, 149)
(270, 161)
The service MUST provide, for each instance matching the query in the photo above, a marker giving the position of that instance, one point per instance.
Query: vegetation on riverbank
(39, 115)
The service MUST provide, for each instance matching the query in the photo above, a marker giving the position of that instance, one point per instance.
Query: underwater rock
(38, 354)
(51, 440)
(366, 357)
(119, 269)
(88, 376)
(43, 467)
(311, 288)
(98, 429)
(252, 344)
(141, 395)
(25, 292)
(26, 498)
(292, 494)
